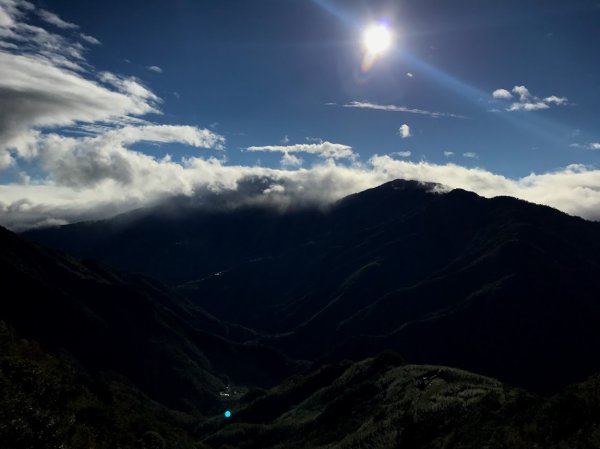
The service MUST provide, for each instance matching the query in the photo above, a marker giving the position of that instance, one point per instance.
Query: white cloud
(23, 178)
(559, 101)
(588, 146)
(528, 106)
(574, 189)
(6, 160)
(402, 153)
(285, 140)
(188, 135)
(471, 155)
(46, 84)
(17, 34)
(289, 160)
(527, 101)
(404, 131)
(155, 69)
(84, 162)
(55, 20)
(522, 92)
(35, 94)
(90, 39)
(394, 108)
(410, 75)
(502, 94)
(448, 153)
(325, 150)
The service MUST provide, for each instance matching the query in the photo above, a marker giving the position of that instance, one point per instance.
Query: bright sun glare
(377, 39)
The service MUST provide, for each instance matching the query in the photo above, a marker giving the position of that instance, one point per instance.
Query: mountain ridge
(497, 286)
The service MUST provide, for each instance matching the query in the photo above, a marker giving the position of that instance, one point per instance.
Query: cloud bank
(98, 187)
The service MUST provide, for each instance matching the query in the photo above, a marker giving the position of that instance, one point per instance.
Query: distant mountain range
(497, 286)
(316, 328)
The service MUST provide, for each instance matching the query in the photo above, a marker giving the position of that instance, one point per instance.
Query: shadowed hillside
(113, 359)
(385, 404)
(130, 325)
(497, 286)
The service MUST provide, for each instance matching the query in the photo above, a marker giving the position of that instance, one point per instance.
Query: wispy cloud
(448, 153)
(394, 108)
(313, 139)
(54, 19)
(527, 101)
(528, 106)
(471, 155)
(90, 39)
(402, 153)
(47, 85)
(559, 101)
(155, 69)
(587, 146)
(404, 131)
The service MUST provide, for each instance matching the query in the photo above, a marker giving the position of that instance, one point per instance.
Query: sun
(377, 39)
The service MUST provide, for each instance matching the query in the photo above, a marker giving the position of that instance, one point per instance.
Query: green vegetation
(48, 402)
(382, 403)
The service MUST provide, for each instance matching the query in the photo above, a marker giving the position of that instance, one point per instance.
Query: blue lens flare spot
(227, 414)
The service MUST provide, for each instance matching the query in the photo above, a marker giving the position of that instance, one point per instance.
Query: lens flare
(377, 39)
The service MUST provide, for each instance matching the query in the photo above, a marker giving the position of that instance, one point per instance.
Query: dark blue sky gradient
(262, 69)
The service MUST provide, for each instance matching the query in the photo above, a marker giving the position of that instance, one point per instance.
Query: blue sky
(505, 88)
(260, 70)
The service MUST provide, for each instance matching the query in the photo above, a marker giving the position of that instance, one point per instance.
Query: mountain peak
(407, 184)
